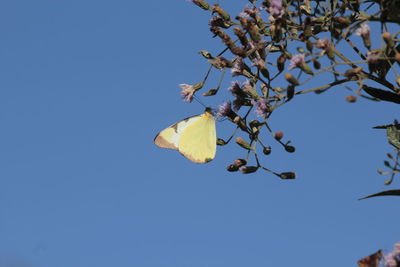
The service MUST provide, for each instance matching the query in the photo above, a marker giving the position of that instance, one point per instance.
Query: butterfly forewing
(169, 137)
(198, 140)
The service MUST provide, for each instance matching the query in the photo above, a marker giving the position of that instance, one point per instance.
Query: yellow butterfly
(194, 137)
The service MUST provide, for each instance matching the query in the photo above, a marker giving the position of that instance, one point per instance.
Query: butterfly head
(209, 112)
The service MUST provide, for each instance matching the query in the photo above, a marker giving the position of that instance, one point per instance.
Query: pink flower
(235, 88)
(372, 57)
(363, 30)
(225, 109)
(187, 92)
(323, 44)
(239, 67)
(297, 61)
(276, 9)
(262, 108)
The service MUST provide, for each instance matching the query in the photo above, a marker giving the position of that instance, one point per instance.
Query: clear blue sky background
(85, 86)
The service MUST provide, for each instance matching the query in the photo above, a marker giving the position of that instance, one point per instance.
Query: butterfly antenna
(198, 100)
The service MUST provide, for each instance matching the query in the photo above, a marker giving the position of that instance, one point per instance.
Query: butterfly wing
(169, 137)
(198, 140)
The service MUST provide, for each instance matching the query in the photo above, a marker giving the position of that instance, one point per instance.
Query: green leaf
(382, 94)
(393, 136)
(394, 192)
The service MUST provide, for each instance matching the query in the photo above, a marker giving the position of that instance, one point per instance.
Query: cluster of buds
(260, 42)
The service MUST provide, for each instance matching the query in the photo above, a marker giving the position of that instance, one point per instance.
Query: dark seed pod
(232, 168)
(287, 175)
(290, 149)
(248, 169)
(267, 150)
(239, 162)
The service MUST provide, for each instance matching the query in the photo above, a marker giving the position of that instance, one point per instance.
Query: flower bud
(248, 169)
(278, 135)
(239, 162)
(397, 57)
(232, 168)
(287, 175)
(267, 150)
(351, 98)
(241, 142)
(290, 149)
(388, 39)
(290, 78)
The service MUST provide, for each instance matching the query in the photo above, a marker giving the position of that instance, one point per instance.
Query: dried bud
(201, 3)
(387, 163)
(240, 122)
(309, 45)
(254, 32)
(287, 175)
(219, 22)
(352, 72)
(221, 142)
(206, 54)
(278, 135)
(211, 92)
(248, 169)
(290, 78)
(281, 62)
(267, 150)
(351, 98)
(316, 64)
(241, 142)
(290, 149)
(220, 62)
(217, 9)
(232, 168)
(241, 35)
(249, 89)
(239, 162)
(290, 92)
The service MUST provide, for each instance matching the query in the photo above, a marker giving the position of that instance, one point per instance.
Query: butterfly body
(194, 137)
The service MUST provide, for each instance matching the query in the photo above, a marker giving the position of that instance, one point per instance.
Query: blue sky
(86, 85)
